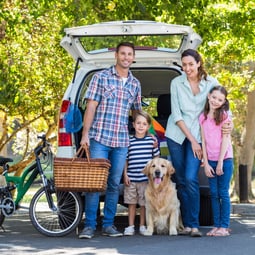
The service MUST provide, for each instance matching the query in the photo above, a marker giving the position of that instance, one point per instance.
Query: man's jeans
(186, 177)
(219, 187)
(117, 156)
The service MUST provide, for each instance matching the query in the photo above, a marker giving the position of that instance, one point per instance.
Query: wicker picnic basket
(81, 174)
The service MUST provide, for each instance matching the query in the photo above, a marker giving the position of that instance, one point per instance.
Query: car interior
(155, 84)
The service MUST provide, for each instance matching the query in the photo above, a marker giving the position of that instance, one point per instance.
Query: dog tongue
(157, 180)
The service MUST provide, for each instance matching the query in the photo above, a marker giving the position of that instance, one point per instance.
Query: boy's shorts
(134, 193)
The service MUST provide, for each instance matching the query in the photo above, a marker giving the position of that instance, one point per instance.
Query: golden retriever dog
(162, 204)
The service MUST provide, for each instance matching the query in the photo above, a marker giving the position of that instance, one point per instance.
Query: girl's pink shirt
(213, 138)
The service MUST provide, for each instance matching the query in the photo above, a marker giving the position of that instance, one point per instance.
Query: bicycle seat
(4, 160)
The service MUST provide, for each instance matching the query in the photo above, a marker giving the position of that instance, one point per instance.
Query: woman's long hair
(220, 113)
(202, 74)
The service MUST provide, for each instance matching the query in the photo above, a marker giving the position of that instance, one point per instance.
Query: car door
(156, 43)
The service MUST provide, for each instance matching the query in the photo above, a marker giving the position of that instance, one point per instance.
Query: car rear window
(99, 44)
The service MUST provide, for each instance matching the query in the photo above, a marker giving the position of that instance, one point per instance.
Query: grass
(35, 187)
(30, 193)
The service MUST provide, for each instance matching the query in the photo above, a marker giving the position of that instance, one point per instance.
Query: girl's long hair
(220, 113)
(202, 74)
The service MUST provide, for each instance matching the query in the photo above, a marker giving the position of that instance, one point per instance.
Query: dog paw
(173, 232)
(147, 233)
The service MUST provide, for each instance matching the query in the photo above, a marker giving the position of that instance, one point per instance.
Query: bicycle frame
(64, 210)
(21, 183)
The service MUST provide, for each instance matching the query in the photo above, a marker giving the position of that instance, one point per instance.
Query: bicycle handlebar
(43, 137)
(39, 149)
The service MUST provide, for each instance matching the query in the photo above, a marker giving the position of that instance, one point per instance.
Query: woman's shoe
(195, 233)
(185, 232)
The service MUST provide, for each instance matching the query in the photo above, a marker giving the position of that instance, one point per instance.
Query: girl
(218, 157)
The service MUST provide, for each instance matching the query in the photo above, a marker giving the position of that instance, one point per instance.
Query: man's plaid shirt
(115, 99)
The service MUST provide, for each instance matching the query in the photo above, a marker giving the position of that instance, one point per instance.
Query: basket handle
(81, 151)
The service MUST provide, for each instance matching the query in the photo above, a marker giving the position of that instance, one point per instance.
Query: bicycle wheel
(60, 221)
(2, 217)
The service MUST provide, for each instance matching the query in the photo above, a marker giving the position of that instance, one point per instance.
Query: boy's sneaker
(111, 231)
(129, 231)
(87, 232)
(142, 230)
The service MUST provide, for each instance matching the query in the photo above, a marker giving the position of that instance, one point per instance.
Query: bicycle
(53, 213)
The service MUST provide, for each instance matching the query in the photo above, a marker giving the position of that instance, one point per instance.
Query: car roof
(156, 43)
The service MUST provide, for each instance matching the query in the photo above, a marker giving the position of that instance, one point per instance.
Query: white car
(157, 61)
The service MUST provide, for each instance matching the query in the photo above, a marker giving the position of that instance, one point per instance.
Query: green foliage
(33, 65)
(35, 70)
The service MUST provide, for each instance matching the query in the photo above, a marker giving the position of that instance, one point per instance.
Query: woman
(188, 96)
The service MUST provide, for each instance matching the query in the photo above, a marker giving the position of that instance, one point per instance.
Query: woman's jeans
(219, 187)
(186, 177)
(117, 157)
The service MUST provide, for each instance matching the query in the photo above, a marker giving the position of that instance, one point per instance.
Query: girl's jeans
(186, 177)
(117, 157)
(219, 187)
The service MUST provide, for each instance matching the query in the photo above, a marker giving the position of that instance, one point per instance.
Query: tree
(33, 70)
(34, 67)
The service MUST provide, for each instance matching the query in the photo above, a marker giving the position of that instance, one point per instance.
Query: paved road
(21, 238)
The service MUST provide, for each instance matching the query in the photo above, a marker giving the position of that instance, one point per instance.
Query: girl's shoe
(129, 231)
(222, 232)
(212, 231)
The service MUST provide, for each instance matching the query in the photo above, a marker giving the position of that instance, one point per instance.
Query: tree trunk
(3, 133)
(248, 146)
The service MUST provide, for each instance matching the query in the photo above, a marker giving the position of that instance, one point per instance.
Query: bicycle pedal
(11, 187)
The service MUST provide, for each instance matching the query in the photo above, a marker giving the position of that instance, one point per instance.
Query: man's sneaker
(129, 231)
(142, 230)
(87, 232)
(111, 231)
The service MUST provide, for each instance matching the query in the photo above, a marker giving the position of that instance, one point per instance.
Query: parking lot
(20, 237)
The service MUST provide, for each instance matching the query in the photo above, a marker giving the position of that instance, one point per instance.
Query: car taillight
(64, 139)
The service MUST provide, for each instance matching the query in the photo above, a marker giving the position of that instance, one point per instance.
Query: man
(111, 95)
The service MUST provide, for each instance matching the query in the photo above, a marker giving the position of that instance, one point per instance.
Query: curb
(245, 209)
